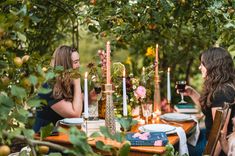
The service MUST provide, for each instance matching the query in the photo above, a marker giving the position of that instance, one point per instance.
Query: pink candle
(108, 76)
(156, 85)
(156, 60)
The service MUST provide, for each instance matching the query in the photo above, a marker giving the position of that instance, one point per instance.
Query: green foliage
(46, 131)
(127, 123)
(181, 28)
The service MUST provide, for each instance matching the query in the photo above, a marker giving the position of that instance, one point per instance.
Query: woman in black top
(65, 100)
(218, 72)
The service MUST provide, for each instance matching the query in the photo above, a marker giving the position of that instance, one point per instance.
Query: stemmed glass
(180, 86)
(147, 110)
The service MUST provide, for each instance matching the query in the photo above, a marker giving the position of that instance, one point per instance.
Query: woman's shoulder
(225, 93)
(226, 89)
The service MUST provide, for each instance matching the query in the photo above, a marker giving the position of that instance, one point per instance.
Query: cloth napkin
(183, 148)
(192, 140)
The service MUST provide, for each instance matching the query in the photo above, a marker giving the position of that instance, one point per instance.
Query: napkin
(94, 126)
(192, 140)
(183, 148)
(147, 138)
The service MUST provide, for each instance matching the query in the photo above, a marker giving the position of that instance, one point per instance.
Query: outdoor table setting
(173, 127)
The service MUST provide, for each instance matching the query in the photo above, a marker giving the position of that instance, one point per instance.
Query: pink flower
(136, 135)
(158, 143)
(140, 92)
(143, 136)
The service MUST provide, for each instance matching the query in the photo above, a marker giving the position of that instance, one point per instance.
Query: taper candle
(168, 86)
(157, 98)
(156, 60)
(108, 76)
(86, 114)
(124, 94)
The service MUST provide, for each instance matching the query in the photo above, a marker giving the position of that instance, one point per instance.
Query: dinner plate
(72, 121)
(168, 129)
(176, 117)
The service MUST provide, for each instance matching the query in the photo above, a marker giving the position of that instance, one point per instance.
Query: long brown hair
(220, 73)
(63, 85)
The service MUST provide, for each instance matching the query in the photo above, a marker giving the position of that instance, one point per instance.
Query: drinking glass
(97, 88)
(180, 86)
(147, 110)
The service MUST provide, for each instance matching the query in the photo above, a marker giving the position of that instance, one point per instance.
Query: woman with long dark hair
(218, 72)
(65, 100)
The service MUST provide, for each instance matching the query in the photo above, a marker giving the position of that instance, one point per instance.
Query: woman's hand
(189, 91)
(223, 141)
(192, 93)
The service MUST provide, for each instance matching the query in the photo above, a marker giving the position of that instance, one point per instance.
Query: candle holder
(109, 113)
(85, 119)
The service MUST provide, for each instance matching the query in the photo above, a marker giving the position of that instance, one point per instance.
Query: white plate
(168, 129)
(176, 117)
(72, 121)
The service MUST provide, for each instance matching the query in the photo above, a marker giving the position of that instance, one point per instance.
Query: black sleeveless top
(228, 95)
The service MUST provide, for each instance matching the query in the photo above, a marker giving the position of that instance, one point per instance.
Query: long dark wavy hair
(220, 73)
(63, 85)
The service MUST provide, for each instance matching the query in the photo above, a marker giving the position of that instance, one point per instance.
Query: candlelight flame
(108, 42)
(156, 46)
(158, 112)
(124, 72)
(168, 69)
(86, 74)
(143, 69)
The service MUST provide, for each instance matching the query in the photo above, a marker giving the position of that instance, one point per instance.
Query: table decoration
(141, 121)
(176, 117)
(147, 138)
(168, 129)
(109, 114)
(168, 90)
(124, 94)
(86, 115)
(168, 85)
(157, 98)
(147, 110)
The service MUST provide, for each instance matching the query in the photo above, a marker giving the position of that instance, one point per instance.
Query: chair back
(218, 123)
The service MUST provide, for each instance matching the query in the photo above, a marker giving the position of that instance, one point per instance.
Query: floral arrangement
(139, 87)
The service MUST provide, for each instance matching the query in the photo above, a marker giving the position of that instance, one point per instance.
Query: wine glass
(97, 88)
(147, 110)
(180, 85)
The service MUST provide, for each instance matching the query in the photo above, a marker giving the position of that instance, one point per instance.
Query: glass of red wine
(180, 86)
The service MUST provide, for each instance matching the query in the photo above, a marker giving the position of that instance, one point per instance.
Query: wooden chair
(218, 124)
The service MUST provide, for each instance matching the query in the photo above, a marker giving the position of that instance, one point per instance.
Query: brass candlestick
(109, 113)
(157, 97)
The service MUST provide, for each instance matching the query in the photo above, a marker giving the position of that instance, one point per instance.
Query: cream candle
(168, 86)
(124, 94)
(86, 114)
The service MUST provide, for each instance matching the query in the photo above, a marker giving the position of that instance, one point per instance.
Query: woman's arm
(193, 94)
(72, 109)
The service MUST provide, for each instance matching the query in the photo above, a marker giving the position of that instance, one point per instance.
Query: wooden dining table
(188, 126)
